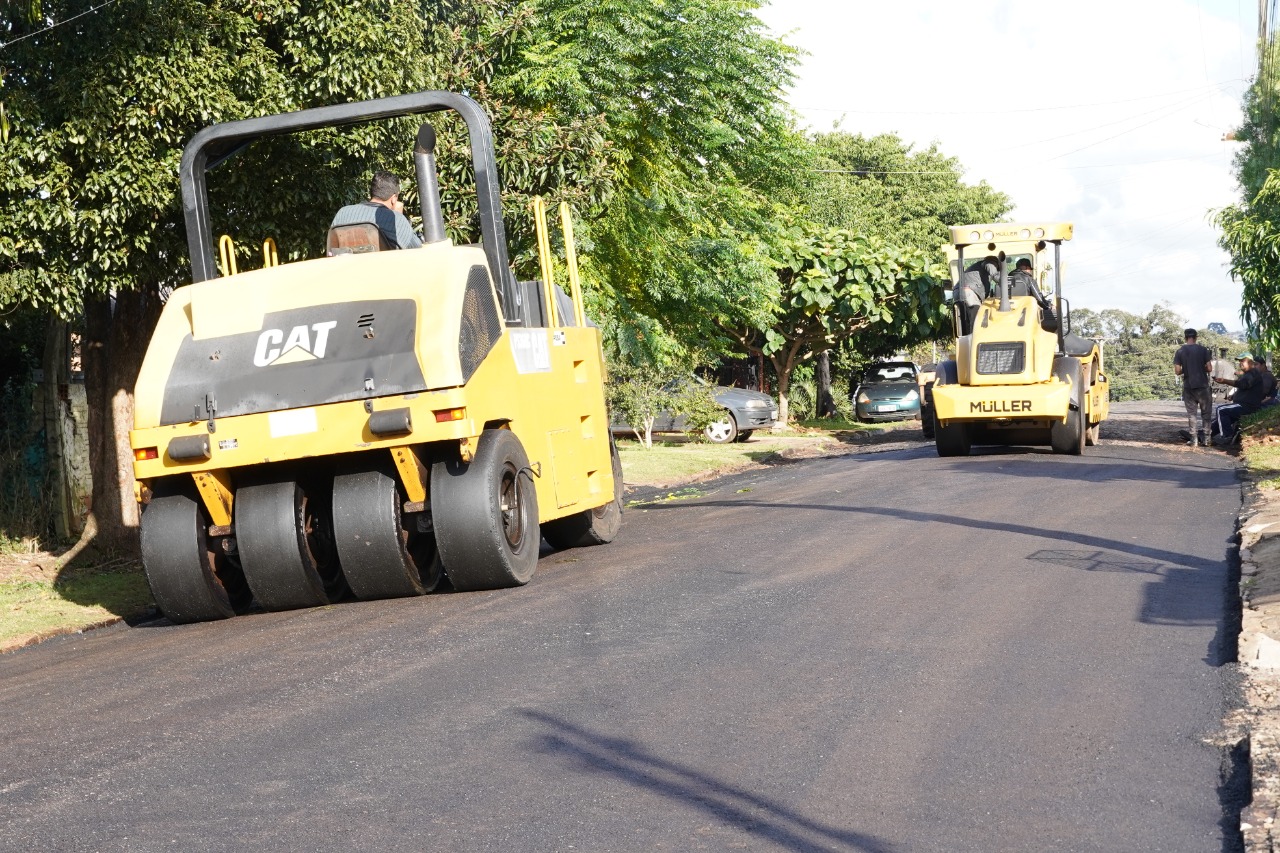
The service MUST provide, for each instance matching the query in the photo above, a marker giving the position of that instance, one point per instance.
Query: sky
(1106, 113)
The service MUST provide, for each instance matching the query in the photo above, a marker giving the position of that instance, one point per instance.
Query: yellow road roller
(373, 422)
(1019, 375)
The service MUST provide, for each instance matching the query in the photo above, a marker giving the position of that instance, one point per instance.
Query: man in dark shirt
(1270, 386)
(1250, 386)
(974, 286)
(383, 209)
(1193, 363)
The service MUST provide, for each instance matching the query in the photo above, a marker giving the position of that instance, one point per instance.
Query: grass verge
(32, 608)
(1260, 446)
(677, 460)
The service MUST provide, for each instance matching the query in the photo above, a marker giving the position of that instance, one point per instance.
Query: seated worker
(383, 209)
(974, 286)
(1250, 386)
(1023, 283)
(1269, 384)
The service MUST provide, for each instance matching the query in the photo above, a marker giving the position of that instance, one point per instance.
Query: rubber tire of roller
(481, 545)
(378, 557)
(280, 565)
(190, 580)
(951, 440)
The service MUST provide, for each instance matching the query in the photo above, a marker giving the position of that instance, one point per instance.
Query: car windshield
(890, 373)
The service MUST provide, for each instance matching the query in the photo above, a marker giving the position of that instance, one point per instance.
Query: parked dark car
(888, 392)
(744, 413)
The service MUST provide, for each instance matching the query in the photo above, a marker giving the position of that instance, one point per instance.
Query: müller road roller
(1019, 375)
(373, 421)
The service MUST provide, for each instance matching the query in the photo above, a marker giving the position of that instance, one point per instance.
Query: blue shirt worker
(1194, 363)
(383, 209)
(1250, 387)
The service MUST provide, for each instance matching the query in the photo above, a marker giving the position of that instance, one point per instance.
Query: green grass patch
(77, 600)
(1261, 446)
(674, 461)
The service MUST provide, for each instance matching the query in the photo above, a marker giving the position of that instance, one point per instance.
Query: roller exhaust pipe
(424, 162)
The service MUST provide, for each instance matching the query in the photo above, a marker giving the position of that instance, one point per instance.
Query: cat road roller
(372, 422)
(1019, 376)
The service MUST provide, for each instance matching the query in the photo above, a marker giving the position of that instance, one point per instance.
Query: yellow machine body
(396, 415)
(544, 384)
(1017, 377)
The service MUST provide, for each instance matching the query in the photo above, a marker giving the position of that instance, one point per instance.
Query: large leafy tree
(1251, 228)
(691, 93)
(831, 284)
(99, 107)
(1251, 236)
(882, 186)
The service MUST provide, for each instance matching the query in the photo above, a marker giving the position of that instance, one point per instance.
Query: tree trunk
(117, 330)
(826, 404)
(784, 387)
(54, 396)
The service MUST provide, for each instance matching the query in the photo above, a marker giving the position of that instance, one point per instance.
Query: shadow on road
(629, 761)
(1188, 475)
(1180, 596)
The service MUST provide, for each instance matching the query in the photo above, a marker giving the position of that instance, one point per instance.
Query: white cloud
(1108, 114)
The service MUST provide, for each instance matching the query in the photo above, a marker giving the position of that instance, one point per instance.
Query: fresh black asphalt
(882, 652)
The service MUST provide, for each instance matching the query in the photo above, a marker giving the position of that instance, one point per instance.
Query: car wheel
(744, 435)
(722, 431)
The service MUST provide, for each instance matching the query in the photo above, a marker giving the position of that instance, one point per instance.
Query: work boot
(1200, 437)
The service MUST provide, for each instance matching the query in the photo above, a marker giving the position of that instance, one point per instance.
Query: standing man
(383, 209)
(1223, 368)
(1250, 385)
(1193, 363)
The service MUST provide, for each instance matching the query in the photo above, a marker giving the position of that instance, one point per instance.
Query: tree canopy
(1250, 229)
(880, 186)
(831, 285)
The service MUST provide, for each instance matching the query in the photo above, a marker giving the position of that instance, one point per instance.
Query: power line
(57, 24)
(1166, 109)
(1131, 129)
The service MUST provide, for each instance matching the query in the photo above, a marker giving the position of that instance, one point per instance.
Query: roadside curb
(1258, 721)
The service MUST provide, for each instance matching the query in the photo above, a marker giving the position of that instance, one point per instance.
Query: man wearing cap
(1193, 363)
(1250, 386)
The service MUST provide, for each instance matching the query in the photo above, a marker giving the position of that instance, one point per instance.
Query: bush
(697, 404)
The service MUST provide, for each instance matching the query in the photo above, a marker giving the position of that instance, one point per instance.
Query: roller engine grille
(480, 328)
(1002, 358)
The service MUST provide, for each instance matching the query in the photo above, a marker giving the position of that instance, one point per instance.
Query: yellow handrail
(227, 255)
(270, 258)
(571, 258)
(544, 258)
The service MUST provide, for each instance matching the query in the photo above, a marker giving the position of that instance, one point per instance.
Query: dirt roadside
(1257, 723)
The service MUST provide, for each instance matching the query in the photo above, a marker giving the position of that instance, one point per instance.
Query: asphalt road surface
(884, 652)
